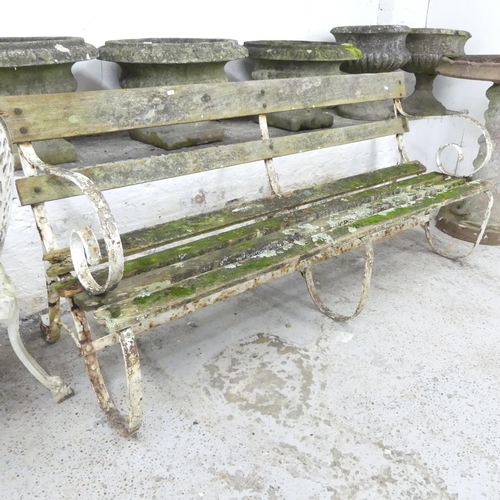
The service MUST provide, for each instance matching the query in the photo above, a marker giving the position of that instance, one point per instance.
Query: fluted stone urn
(292, 59)
(42, 65)
(384, 50)
(463, 220)
(427, 46)
(154, 62)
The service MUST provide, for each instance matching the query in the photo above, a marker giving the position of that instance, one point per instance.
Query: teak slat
(48, 116)
(187, 260)
(44, 188)
(132, 310)
(188, 227)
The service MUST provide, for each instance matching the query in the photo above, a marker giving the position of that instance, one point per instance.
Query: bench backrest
(47, 116)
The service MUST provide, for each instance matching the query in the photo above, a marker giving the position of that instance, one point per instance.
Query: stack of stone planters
(292, 59)
(153, 62)
(43, 66)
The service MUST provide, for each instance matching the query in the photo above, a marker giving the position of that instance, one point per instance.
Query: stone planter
(384, 50)
(154, 62)
(463, 220)
(427, 46)
(43, 66)
(293, 59)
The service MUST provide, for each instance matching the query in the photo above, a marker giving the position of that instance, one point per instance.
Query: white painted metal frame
(398, 109)
(84, 246)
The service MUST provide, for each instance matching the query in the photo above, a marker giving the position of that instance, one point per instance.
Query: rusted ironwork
(123, 425)
(84, 245)
(271, 173)
(134, 381)
(484, 131)
(49, 326)
(311, 287)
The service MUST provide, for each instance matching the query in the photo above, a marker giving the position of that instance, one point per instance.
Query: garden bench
(134, 281)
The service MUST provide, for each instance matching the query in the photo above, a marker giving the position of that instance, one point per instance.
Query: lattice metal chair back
(6, 178)
(9, 309)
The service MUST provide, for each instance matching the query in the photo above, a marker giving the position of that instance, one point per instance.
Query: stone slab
(307, 119)
(52, 151)
(180, 136)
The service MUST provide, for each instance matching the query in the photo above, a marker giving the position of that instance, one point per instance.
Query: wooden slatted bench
(135, 281)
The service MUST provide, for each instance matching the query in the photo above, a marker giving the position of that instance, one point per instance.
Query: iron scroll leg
(307, 274)
(9, 312)
(124, 425)
(480, 235)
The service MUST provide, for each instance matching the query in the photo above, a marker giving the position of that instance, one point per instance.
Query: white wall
(98, 21)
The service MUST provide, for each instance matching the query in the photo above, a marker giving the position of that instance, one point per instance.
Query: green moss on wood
(397, 212)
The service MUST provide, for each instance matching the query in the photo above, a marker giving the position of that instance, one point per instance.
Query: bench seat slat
(294, 240)
(49, 116)
(178, 255)
(45, 188)
(140, 309)
(164, 234)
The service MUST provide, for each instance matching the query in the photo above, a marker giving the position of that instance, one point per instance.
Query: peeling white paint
(265, 253)
(299, 242)
(308, 228)
(322, 238)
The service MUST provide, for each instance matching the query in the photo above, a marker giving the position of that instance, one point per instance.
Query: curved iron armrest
(489, 144)
(84, 246)
(489, 150)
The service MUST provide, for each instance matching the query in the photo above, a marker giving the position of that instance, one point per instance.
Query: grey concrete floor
(263, 397)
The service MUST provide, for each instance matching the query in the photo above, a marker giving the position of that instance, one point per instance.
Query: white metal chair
(9, 309)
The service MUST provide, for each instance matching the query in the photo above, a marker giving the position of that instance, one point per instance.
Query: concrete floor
(263, 397)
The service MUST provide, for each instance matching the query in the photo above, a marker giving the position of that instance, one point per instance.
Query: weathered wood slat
(341, 209)
(321, 223)
(143, 306)
(49, 116)
(45, 188)
(163, 234)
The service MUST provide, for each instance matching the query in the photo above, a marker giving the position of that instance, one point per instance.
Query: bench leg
(123, 425)
(307, 274)
(443, 253)
(50, 325)
(9, 312)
